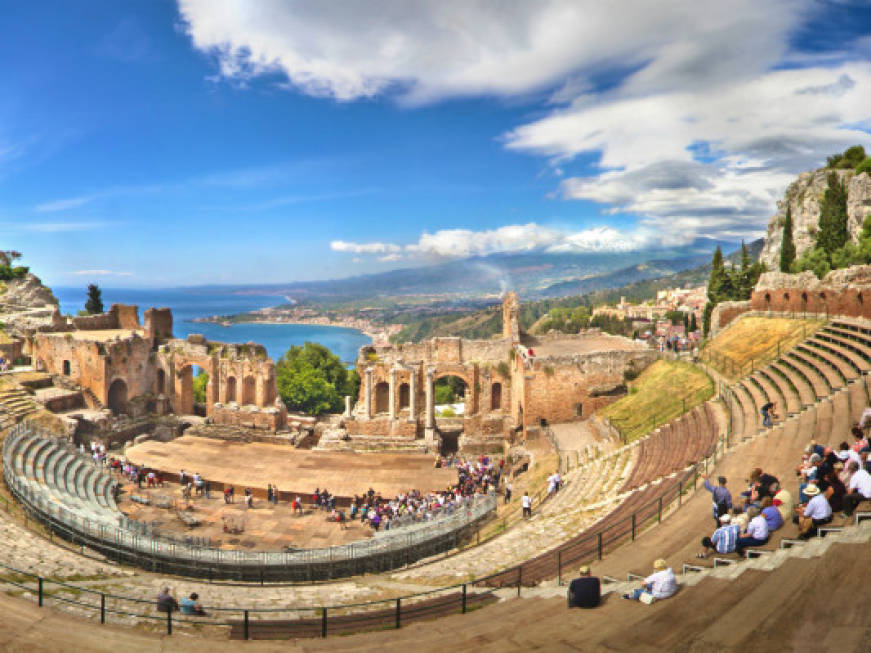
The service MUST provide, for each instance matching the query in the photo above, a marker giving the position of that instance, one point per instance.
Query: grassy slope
(751, 341)
(656, 397)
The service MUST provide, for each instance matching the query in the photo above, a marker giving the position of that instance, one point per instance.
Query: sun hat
(584, 570)
(725, 518)
(812, 490)
(660, 564)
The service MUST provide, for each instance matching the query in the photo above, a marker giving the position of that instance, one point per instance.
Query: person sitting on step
(585, 591)
(661, 584)
(724, 538)
(816, 513)
(756, 533)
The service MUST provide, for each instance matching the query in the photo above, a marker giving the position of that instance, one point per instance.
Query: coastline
(367, 330)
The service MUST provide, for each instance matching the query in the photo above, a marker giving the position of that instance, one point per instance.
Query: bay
(187, 304)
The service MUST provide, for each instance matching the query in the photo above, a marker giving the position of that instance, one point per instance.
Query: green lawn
(661, 393)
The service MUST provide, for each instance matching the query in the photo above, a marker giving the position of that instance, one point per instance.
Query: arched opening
(231, 389)
(185, 403)
(161, 382)
(382, 397)
(450, 396)
(249, 391)
(496, 396)
(118, 397)
(823, 296)
(786, 297)
(767, 298)
(804, 298)
(404, 396)
(859, 296)
(66, 368)
(201, 390)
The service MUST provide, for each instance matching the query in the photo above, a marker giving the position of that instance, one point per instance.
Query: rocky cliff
(27, 304)
(804, 196)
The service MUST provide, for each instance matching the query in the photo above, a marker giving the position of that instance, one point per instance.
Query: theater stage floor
(294, 471)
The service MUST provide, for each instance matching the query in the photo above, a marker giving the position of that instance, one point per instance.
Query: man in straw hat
(816, 513)
(584, 592)
(661, 584)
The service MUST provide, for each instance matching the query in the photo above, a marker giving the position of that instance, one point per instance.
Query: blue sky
(160, 144)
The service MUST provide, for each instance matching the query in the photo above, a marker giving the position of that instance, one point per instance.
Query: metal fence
(131, 544)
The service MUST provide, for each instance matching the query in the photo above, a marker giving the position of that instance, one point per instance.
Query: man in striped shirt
(724, 538)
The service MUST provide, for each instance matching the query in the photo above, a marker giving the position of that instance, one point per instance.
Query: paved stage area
(297, 471)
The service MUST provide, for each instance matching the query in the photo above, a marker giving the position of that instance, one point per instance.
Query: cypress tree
(832, 235)
(693, 324)
(720, 282)
(787, 245)
(95, 299)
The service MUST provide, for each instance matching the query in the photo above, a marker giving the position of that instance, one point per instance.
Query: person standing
(526, 504)
(507, 490)
(721, 497)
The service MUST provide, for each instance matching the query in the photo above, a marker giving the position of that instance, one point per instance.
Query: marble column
(391, 411)
(368, 392)
(347, 405)
(412, 393)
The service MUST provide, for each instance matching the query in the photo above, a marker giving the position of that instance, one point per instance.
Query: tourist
(768, 412)
(526, 504)
(722, 498)
(165, 601)
(269, 492)
(756, 533)
(249, 498)
(859, 489)
(191, 606)
(816, 513)
(724, 538)
(861, 442)
(507, 490)
(274, 494)
(772, 516)
(584, 591)
(297, 505)
(207, 488)
(833, 489)
(229, 494)
(181, 477)
(661, 584)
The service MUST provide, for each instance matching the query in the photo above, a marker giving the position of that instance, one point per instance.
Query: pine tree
(720, 281)
(833, 217)
(693, 324)
(95, 299)
(787, 245)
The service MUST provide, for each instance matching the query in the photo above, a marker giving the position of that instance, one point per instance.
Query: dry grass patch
(658, 395)
(753, 341)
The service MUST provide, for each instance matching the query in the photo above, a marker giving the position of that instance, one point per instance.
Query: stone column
(412, 394)
(430, 405)
(347, 405)
(392, 393)
(368, 392)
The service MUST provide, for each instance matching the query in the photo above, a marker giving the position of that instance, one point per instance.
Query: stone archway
(117, 400)
(249, 391)
(451, 389)
(231, 389)
(66, 368)
(404, 396)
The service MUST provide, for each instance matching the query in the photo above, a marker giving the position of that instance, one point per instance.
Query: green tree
(313, 380)
(201, 380)
(94, 304)
(787, 247)
(850, 158)
(832, 234)
(449, 390)
(865, 166)
(706, 318)
(720, 282)
(814, 259)
(693, 324)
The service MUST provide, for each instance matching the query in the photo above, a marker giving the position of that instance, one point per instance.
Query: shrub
(865, 166)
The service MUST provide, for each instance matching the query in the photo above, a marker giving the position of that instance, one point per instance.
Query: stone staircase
(15, 404)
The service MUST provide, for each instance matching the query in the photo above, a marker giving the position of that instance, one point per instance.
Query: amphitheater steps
(842, 370)
(818, 382)
(846, 359)
(833, 380)
(806, 396)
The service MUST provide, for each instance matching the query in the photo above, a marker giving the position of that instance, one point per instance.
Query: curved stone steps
(858, 399)
(833, 379)
(848, 356)
(736, 412)
(843, 369)
(756, 395)
(823, 424)
(841, 421)
(814, 379)
(791, 400)
(752, 419)
(800, 384)
(860, 347)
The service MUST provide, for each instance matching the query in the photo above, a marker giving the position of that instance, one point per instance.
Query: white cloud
(101, 273)
(63, 204)
(712, 161)
(464, 243)
(364, 248)
(429, 50)
(57, 227)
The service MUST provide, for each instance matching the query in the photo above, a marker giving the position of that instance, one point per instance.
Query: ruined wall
(382, 426)
(158, 323)
(844, 292)
(510, 323)
(97, 322)
(725, 312)
(562, 390)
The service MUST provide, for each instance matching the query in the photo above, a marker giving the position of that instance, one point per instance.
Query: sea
(187, 304)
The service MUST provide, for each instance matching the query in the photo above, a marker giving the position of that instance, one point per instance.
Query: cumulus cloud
(429, 50)
(710, 162)
(465, 243)
(364, 248)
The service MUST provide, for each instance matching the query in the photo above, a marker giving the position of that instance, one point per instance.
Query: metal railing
(133, 543)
